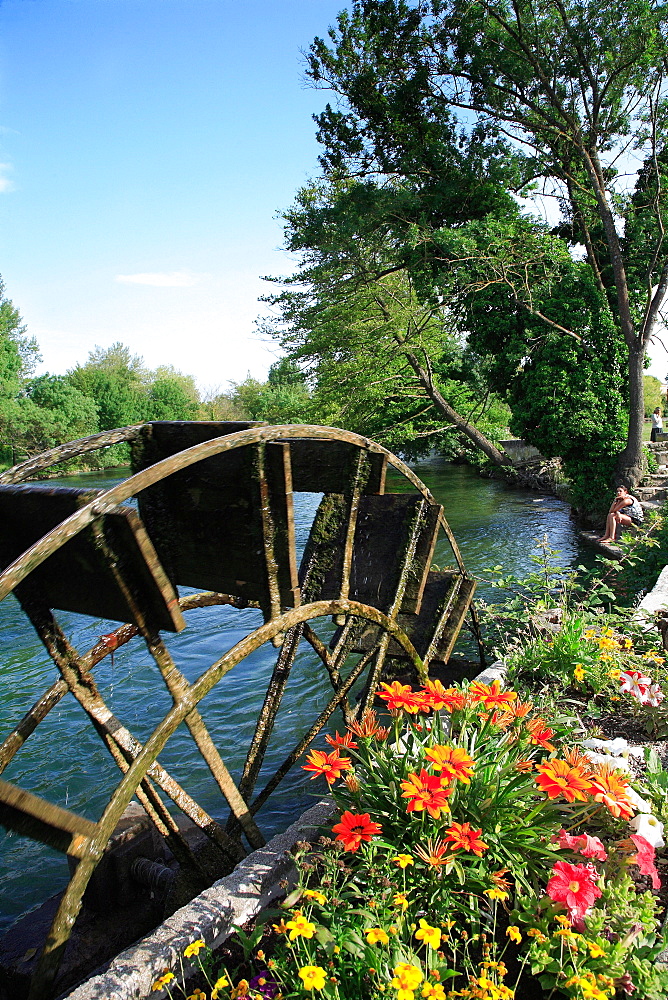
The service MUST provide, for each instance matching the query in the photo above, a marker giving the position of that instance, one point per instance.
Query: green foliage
(124, 392)
(653, 394)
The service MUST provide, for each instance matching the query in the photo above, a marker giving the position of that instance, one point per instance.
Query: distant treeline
(113, 389)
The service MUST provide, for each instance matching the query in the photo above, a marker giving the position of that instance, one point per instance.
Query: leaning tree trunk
(630, 464)
(462, 424)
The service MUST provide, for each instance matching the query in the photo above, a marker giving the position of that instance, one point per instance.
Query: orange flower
(520, 709)
(425, 791)
(559, 778)
(331, 765)
(491, 695)
(400, 698)
(499, 880)
(452, 762)
(609, 788)
(436, 695)
(524, 766)
(346, 741)
(354, 828)
(540, 733)
(433, 853)
(464, 837)
(368, 727)
(576, 758)
(451, 699)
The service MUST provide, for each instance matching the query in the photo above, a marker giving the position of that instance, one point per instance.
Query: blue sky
(145, 148)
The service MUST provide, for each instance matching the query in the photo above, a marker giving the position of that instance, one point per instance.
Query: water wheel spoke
(306, 741)
(179, 688)
(267, 716)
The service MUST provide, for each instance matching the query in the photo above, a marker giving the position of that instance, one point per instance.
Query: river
(65, 761)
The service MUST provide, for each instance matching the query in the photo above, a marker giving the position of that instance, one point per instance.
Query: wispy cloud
(6, 184)
(160, 279)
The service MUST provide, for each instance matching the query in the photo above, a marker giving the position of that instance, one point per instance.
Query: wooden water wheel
(215, 511)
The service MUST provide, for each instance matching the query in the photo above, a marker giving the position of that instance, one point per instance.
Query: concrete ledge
(212, 915)
(657, 599)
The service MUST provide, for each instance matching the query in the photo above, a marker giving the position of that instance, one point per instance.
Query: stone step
(652, 493)
(651, 505)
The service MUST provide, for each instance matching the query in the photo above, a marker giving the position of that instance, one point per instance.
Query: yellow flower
(197, 995)
(280, 928)
(240, 990)
(376, 935)
(430, 935)
(595, 950)
(402, 860)
(400, 900)
(300, 927)
(496, 893)
(513, 933)
(315, 895)
(406, 979)
(614, 674)
(193, 948)
(537, 934)
(434, 991)
(219, 984)
(312, 976)
(165, 978)
(579, 673)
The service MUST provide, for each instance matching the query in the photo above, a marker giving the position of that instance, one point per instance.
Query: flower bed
(479, 851)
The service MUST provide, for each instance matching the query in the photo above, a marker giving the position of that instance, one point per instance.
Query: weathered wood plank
(79, 576)
(34, 817)
(226, 523)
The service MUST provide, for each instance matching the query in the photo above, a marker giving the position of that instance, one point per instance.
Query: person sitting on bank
(657, 423)
(625, 509)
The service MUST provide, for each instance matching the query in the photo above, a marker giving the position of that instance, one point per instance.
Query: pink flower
(644, 859)
(634, 683)
(584, 844)
(574, 886)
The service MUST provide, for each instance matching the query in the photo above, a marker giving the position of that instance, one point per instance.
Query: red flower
(331, 765)
(465, 838)
(644, 859)
(425, 791)
(584, 844)
(574, 886)
(400, 698)
(354, 828)
(345, 741)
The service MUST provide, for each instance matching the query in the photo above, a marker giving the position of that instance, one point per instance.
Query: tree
(112, 378)
(283, 399)
(168, 399)
(51, 412)
(560, 94)
(384, 362)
